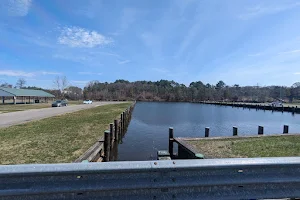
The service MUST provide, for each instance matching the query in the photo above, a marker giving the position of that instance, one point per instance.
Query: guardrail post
(235, 131)
(171, 138)
(106, 145)
(207, 132)
(260, 130)
(116, 129)
(285, 129)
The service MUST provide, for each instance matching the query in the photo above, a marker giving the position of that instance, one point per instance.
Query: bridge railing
(242, 178)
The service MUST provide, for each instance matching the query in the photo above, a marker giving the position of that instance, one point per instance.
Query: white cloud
(15, 7)
(297, 73)
(80, 37)
(89, 73)
(16, 73)
(160, 70)
(50, 73)
(34, 79)
(264, 9)
(290, 52)
(20, 73)
(79, 83)
(124, 62)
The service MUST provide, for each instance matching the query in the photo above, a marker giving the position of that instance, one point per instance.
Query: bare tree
(21, 83)
(6, 85)
(61, 83)
(64, 83)
(56, 82)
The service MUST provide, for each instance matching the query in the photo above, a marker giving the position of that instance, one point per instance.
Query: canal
(148, 130)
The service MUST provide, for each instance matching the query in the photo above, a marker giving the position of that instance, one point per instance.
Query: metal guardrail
(253, 178)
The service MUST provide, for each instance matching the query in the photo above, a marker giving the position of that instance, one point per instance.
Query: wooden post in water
(121, 125)
(125, 118)
(171, 138)
(116, 130)
(294, 110)
(285, 129)
(106, 145)
(235, 131)
(207, 132)
(260, 130)
(111, 130)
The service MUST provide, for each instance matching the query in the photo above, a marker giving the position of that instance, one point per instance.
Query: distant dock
(291, 109)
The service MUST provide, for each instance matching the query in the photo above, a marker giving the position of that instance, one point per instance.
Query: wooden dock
(188, 151)
(106, 148)
(291, 109)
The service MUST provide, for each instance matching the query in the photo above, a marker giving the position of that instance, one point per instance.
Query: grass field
(267, 146)
(57, 139)
(20, 107)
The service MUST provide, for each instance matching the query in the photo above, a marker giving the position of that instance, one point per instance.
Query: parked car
(87, 102)
(59, 103)
(276, 104)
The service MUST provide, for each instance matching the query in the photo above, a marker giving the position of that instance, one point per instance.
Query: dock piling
(260, 130)
(116, 129)
(171, 138)
(235, 131)
(121, 125)
(285, 129)
(106, 145)
(207, 132)
(111, 130)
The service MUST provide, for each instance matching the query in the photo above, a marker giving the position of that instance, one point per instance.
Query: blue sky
(246, 42)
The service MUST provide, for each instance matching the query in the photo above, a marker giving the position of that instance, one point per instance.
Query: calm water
(148, 130)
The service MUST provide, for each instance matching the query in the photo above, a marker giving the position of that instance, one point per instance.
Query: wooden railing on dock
(186, 151)
(106, 148)
(292, 109)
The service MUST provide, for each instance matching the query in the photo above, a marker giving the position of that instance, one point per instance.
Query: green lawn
(57, 139)
(266, 146)
(20, 107)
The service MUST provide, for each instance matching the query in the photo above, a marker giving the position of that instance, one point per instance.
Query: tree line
(165, 90)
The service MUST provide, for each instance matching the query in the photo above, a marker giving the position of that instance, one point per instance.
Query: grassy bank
(57, 139)
(267, 146)
(20, 107)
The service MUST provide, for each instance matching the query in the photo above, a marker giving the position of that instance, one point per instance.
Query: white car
(276, 104)
(87, 102)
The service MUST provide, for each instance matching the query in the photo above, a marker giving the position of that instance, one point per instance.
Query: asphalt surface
(14, 118)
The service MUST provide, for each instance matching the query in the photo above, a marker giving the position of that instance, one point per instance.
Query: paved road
(13, 118)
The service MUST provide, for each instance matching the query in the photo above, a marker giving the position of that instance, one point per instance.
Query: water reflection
(148, 129)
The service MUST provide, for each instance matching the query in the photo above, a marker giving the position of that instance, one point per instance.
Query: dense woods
(165, 90)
